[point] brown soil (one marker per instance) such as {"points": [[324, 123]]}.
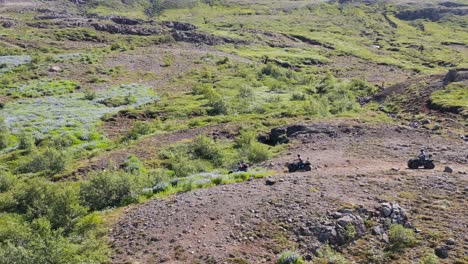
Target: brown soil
{"points": [[253, 222]]}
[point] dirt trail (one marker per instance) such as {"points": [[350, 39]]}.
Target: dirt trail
{"points": [[253, 222]]}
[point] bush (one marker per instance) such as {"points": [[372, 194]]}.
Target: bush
{"points": [[90, 95], [218, 105], [401, 237], [250, 149], [50, 161], [133, 165], [38, 242], [110, 188], [290, 257], [7, 180], [183, 166], [205, 148], [361, 88], [4, 134], [429, 258], [318, 107], [63, 141], [326, 255], [298, 97], [139, 129], [58, 203], [26, 142], [246, 92]]}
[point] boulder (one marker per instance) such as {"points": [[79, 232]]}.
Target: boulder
{"points": [[447, 169], [442, 252], [55, 69]]}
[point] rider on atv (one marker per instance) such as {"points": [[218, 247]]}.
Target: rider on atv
{"points": [[422, 160], [422, 155]]}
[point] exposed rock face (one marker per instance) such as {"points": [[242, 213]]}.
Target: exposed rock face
{"points": [[344, 230], [456, 75], [196, 37], [431, 13], [179, 25], [126, 29], [396, 214], [7, 24], [281, 135], [126, 21]]}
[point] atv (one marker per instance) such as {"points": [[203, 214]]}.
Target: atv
{"points": [[427, 164], [299, 166]]}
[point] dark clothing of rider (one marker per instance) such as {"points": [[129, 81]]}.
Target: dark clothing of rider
{"points": [[422, 155]]}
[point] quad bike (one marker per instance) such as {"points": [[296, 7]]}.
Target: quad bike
{"points": [[299, 166], [427, 164]]}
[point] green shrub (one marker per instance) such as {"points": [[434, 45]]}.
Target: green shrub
{"points": [[290, 257], [7, 180], [39, 242], [361, 88], [90, 95], [139, 129], [183, 166], [50, 161], [401, 237], [58, 203], [26, 142], [429, 258], [246, 92], [4, 134], [250, 149], [218, 106], [298, 97], [326, 255], [318, 107], [204, 147], [168, 60], [133, 165], [63, 141], [110, 188]]}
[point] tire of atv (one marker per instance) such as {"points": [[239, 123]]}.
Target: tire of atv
{"points": [[413, 164], [429, 166], [307, 168]]}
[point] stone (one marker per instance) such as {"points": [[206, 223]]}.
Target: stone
{"points": [[448, 169], [386, 209], [336, 215], [378, 230], [270, 182], [55, 69], [450, 242], [442, 252]]}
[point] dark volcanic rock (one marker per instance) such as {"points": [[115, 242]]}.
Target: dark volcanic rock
{"points": [[431, 13], [179, 25], [126, 29], [197, 37], [126, 21]]}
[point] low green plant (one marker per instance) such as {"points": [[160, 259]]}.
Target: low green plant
{"points": [[7, 180], [290, 257], [133, 165], [429, 258], [26, 142], [139, 129], [250, 149], [401, 238], [109, 189], [49, 161], [206, 148], [4, 134], [326, 255]]}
